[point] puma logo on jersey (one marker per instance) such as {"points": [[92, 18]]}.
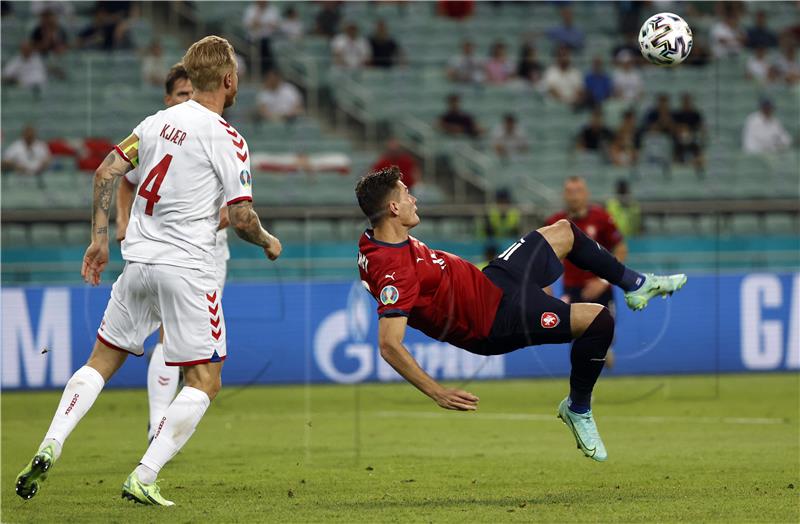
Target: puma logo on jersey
{"points": [[390, 276], [173, 134]]}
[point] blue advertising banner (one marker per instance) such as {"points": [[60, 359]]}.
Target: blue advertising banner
{"points": [[327, 332]]}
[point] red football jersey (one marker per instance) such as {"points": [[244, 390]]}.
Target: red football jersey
{"points": [[598, 225], [444, 296]]}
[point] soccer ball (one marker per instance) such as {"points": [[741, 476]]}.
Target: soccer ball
{"points": [[665, 39]]}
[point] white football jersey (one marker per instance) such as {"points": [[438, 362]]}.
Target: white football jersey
{"points": [[191, 163]]}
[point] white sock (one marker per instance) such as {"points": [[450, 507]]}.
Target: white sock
{"points": [[162, 385], [175, 428], [79, 395]]}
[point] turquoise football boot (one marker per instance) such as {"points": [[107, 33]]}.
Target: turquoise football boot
{"points": [[654, 285], [584, 430]]}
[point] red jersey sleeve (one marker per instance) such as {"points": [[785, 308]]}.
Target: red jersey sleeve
{"points": [[608, 236], [553, 219], [396, 290]]}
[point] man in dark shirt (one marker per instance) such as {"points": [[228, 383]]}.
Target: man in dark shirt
{"points": [[689, 133], [385, 49], [456, 122], [595, 136], [48, 36], [760, 35]]}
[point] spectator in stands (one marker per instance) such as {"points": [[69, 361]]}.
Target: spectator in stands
{"points": [[154, 68], [49, 36], [291, 27], [508, 138], [328, 18], [763, 133], [690, 134], [261, 21], [466, 67], [503, 219], [759, 35], [595, 136], [350, 50], [26, 69], [498, 68], [28, 155], [657, 136], [456, 9], [278, 100], [659, 118], [109, 28], [760, 69], [597, 84], [727, 38], [567, 34], [631, 45], [386, 52], [626, 79], [529, 68], [395, 154], [563, 81], [787, 65], [456, 122], [624, 210], [623, 151], [629, 16]]}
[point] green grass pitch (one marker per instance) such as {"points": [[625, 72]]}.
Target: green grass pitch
{"points": [[694, 449]]}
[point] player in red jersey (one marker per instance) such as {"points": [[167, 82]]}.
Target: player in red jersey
{"points": [[494, 311]]}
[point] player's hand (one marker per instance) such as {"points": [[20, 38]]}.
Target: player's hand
{"points": [[94, 262], [593, 289], [274, 249], [456, 399], [121, 228]]}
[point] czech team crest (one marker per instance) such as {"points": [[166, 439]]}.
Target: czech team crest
{"points": [[550, 320], [389, 295]]}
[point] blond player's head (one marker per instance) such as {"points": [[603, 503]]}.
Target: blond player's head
{"points": [[211, 64]]}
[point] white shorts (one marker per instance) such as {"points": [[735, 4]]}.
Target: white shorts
{"points": [[221, 273], [187, 302]]}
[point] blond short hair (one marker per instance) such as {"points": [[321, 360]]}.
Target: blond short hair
{"points": [[207, 61]]}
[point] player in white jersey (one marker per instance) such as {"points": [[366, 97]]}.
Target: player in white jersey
{"points": [[194, 162], [163, 380]]}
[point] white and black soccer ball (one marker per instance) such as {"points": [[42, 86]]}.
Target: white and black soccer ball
{"points": [[665, 39]]}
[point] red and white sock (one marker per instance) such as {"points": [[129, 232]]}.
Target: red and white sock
{"points": [[174, 429], [162, 385], [80, 393]]}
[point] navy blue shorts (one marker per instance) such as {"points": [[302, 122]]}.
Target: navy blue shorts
{"points": [[526, 316]]}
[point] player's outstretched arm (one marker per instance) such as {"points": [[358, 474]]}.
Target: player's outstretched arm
{"points": [[247, 225], [391, 331], [96, 256]]}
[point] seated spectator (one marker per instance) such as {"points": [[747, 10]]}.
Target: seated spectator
{"points": [[656, 138], [689, 133], [624, 210], [456, 9], [396, 155], [26, 69], [154, 68], [498, 68], [631, 45], [659, 118], [508, 138], [597, 84], [291, 26], [262, 21], [385, 50], [567, 34], [626, 79], [278, 100], [465, 67], [101, 34], [623, 151], [328, 18], [760, 69], [563, 81], [27, 155], [350, 50], [456, 122], [529, 68], [595, 136], [787, 65], [727, 38], [763, 133], [49, 36], [759, 35]]}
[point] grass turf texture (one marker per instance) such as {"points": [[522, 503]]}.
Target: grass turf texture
{"points": [[695, 448]]}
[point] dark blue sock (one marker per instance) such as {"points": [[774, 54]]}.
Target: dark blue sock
{"points": [[588, 357], [589, 255], [579, 408]]}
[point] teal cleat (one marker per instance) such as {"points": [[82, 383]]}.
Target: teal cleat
{"points": [[148, 494], [654, 285], [35, 472], [584, 430]]}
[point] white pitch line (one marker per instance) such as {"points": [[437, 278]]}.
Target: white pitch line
{"points": [[551, 417]]}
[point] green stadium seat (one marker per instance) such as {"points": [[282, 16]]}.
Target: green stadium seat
{"points": [[14, 235], [47, 235]]}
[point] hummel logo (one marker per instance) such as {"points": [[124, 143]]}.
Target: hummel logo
{"points": [[390, 276], [419, 259]]}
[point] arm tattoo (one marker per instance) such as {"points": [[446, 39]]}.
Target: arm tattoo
{"points": [[247, 225], [112, 167]]}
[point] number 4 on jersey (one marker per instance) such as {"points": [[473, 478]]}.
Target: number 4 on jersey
{"points": [[156, 177]]}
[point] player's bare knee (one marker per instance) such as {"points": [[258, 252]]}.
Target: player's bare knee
{"points": [[105, 360], [560, 237], [584, 315]]}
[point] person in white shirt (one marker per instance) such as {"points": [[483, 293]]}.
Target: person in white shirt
{"points": [[508, 138], [763, 133], [192, 162], [626, 79], [291, 26], [563, 81], [466, 67], [727, 38], [787, 65], [261, 21], [153, 66], [278, 100], [26, 69], [759, 68], [27, 155], [350, 50]]}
